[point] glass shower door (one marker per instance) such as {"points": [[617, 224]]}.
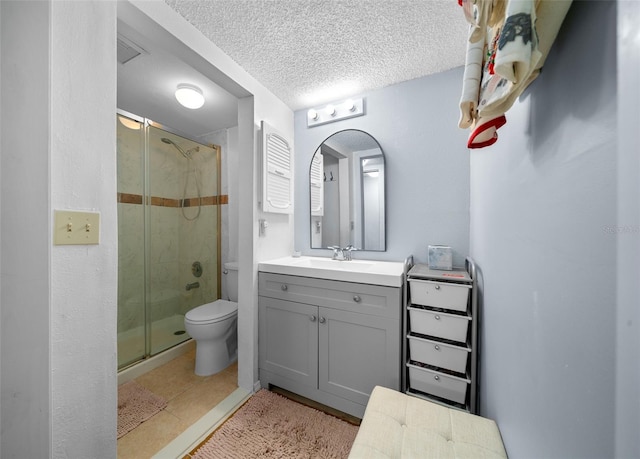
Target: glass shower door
{"points": [[182, 257], [131, 282], [168, 235]]}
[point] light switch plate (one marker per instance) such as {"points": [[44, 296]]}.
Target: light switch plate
{"points": [[75, 228]]}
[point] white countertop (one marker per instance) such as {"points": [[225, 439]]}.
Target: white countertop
{"points": [[388, 273]]}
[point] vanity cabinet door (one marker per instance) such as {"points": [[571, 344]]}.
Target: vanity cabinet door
{"points": [[356, 353], [288, 341]]}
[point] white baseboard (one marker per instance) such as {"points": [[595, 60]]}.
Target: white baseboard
{"points": [[198, 432]]}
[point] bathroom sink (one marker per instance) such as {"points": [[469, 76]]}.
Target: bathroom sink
{"points": [[325, 263], [373, 272]]}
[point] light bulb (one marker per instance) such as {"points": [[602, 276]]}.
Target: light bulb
{"points": [[190, 96], [312, 114], [129, 123], [349, 105], [331, 110]]}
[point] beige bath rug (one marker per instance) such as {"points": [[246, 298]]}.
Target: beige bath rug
{"points": [[269, 425], [136, 404]]}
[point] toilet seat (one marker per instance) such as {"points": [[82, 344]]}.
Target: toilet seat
{"points": [[212, 312]]}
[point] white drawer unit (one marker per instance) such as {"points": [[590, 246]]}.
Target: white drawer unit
{"points": [[440, 294], [439, 384], [439, 354], [439, 324], [441, 336]]}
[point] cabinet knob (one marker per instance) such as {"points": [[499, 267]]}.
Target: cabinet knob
{"points": [[437, 317], [284, 287], [357, 298], [312, 318], [437, 287], [322, 320], [437, 348], [436, 377]]}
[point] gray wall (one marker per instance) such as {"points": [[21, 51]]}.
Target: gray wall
{"points": [[628, 237], [543, 232], [428, 201]]}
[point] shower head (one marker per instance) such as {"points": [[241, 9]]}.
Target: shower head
{"points": [[186, 154]]}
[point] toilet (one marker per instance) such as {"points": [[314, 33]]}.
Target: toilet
{"points": [[213, 326]]}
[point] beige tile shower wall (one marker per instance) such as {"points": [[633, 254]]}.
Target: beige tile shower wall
{"points": [[164, 232], [175, 242], [227, 253], [198, 243], [198, 240], [166, 166], [167, 172], [130, 266], [130, 149]]}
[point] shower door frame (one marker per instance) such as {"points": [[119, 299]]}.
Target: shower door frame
{"points": [[146, 124]]}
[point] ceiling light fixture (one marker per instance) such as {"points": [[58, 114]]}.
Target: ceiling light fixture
{"points": [[189, 96], [349, 108]]}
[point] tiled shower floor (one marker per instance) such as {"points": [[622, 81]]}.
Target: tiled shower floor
{"points": [[189, 398], [131, 342]]}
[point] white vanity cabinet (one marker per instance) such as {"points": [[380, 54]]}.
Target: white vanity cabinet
{"points": [[328, 340], [441, 336]]}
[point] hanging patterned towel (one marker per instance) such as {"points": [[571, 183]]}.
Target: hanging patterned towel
{"points": [[515, 47], [517, 52], [477, 13], [485, 131], [488, 13], [471, 82], [497, 91]]}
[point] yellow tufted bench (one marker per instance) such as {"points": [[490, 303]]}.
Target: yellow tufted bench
{"points": [[396, 425]]}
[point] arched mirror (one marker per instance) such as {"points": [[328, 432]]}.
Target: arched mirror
{"points": [[347, 190]]}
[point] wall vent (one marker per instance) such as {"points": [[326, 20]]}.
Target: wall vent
{"points": [[128, 50]]}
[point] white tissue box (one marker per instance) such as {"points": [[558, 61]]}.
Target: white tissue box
{"points": [[440, 257]]}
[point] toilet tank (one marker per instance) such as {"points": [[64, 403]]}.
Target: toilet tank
{"points": [[231, 279]]}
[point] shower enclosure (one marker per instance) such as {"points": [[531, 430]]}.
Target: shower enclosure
{"points": [[168, 234]]}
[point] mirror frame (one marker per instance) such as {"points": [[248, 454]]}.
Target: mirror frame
{"points": [[360, 191]]}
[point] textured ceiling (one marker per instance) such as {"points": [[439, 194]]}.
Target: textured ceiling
{"points": [[308, 52]]}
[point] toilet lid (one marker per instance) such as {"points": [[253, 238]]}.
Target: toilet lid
{"points": [[212, 312]]}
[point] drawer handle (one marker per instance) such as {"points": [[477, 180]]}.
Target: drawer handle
{"points": [[357, 298], [437, 287], [437, 348], [322, 320], [436, 377], [437, 317], [284, 287], [312, 318]]}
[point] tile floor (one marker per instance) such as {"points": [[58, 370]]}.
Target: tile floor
{"points": [[189, 398]]}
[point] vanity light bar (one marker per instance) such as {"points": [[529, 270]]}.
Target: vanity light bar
{"points": [[350, 108]]}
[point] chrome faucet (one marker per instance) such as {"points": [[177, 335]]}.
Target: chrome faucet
{"points": [[341, 253]]}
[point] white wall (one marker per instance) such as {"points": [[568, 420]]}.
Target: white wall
{"points": [[58, 302], [25, 404], [426, 166], [543, 219], [83, 299]]}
